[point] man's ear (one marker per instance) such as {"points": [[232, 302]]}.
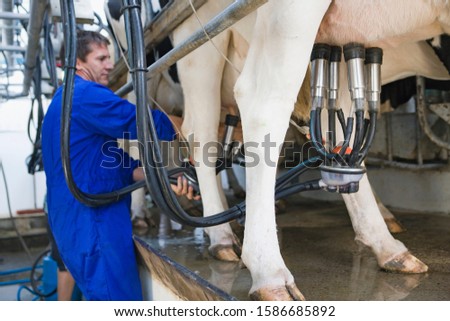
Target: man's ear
{"points": [[79, 64]]}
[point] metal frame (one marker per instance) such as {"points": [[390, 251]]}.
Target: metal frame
{"points": [[422, 127]]}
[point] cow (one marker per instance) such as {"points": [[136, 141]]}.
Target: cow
{"points": [[269, 51], [166, 93]]}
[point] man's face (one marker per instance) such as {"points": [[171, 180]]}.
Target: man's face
{"points": [[97, 65]]}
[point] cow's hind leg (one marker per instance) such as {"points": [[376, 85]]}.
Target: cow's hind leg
{"points": [[266, 93], [371, 230], [368, 224], [391, 221]]}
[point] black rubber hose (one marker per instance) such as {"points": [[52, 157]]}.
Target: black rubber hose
{"points": [[311, 163], [370, 136], [314, 132], [347, 136], [359, 137], [298, 188], [70, 34], [341, 118], [332, 125], [319, 137]]}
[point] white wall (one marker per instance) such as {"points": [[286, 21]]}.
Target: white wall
{"points": [[25, 191]]}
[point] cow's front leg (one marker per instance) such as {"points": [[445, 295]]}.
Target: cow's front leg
{"points": [[224, 245], [266, 92], [201, 76], [263, 136]]}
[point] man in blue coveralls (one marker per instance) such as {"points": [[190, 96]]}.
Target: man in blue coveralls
{"points": [[96, 243]]}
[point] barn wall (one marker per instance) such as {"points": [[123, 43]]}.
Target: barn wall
{"points": [[25, 191]]}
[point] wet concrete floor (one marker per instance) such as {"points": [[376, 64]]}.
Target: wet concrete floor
{"points": [[317, 243]]}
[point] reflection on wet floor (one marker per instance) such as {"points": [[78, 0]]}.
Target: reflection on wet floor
{"points": [[319, 248], [188, 247]]}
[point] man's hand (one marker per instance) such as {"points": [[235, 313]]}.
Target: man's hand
{"points": [[183, 188]]}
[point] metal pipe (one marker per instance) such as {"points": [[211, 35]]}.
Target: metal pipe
{"points": [[389, 143], [231, 121], [7, 6], [396, 164], [11, 85], [13, 16], [12, 48], [227, 18], [422, 115], [420, 104], [8, 34], [354, 56], [320, 57], [374, 59], [37, 10], [335, 63], [5, 27], [373, 63]]}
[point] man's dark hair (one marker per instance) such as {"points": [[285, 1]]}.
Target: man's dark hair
{"points": [[85, 39]]}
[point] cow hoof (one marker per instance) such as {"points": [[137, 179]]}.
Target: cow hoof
{"points": [[225, 253], [405, 263], [394, 226], [280, 206], [287, 293]]}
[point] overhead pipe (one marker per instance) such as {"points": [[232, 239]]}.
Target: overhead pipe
{"points": [[5, 15], [37, 12], [227, 18]]}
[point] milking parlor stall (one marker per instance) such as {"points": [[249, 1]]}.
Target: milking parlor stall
{"points": [[375, 112]]}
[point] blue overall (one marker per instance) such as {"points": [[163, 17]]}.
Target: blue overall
{"points": [[95, 243]]}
